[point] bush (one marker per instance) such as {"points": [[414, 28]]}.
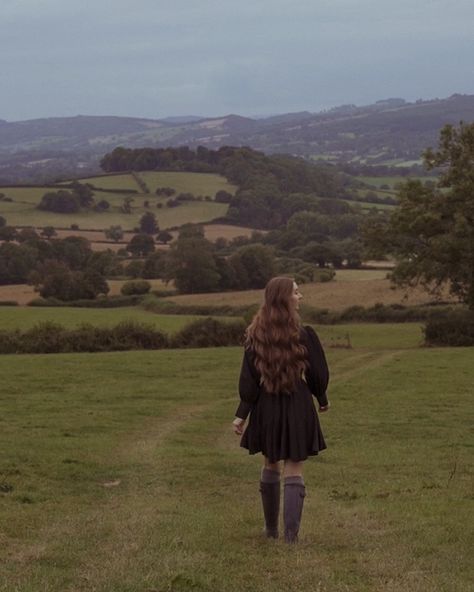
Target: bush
{"points": [[8, 303], [457, 329], [209, 333], [44, 338], [10, 342], [135, 287]]}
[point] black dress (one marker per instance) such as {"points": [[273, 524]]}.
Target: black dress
{"points": [[284, 426]]}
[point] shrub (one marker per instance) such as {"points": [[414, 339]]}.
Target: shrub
{"points": [[10, 342], [132, 335], [456, 329], [135, 287], [209, 333], [8, 303], [45, 337]]}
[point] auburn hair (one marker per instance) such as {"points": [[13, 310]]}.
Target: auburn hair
{"points": [[274, 337]]}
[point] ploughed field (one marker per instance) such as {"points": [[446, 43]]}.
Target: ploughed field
{"points": [[119, 472]]}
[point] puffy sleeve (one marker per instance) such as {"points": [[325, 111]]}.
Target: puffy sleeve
{"points": [[317, 374], [249, 386]]}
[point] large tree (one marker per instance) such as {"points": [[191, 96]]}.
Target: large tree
{"points": [[431, 233], [191, 262]]}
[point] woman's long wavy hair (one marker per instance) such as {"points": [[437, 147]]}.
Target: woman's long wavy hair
{"points": [[274, 336]]}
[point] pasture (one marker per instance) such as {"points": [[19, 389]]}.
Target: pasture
{"points": [[22, 210], [363, 287], [345, 290], [120, 473]]}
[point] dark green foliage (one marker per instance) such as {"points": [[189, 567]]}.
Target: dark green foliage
{"points": [[431, 234], [209, 333], [135, 287], [48, 337], [55, 279], [134, 269], [168, 191], [191, 262], [148, 223], [141, 244], [223, 196], [164, 237], [457, 329], [154, 266], [48, 232], [114, 232], [7, 233], [16, 262], [62, 201], [253, 266], [264, 181], [102, 206], [379, 313]]}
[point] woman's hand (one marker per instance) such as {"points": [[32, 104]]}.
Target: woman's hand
{"points": [[323, 408], [238, 426]]}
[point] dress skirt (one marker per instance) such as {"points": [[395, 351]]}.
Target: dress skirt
{"points": [[284, 426]]}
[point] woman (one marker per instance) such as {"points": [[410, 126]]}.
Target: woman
{"points": [[283, 367]]}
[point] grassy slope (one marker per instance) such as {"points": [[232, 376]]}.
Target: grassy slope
{"points": [[134, 481]]}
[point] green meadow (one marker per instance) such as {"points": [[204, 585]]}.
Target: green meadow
{"points": [[24, 318], [22, 210], [119, 473]]}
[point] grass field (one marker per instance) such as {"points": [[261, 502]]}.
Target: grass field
{"points": [[351, 287], [23, 293], [119, 473], [334, 295], [190, 212], [22, 211], [391, 181]]}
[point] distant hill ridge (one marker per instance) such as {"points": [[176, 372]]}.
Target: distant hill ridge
{"points": [[389, 131]]}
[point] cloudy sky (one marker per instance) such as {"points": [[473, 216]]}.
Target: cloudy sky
{"points": [[156, 58]]}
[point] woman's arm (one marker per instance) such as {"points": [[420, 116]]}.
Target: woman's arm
{"points": [[249, 387], [317, 374]]}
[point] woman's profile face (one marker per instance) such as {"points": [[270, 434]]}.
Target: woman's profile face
{"points": [[296, 296]]}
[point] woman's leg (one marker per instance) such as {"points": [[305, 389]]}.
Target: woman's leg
{"points": [[270, 492], [293, 499], [293, 469]]}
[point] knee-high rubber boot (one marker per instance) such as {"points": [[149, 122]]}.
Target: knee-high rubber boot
{"points": [[270, 492], [294, 494]]}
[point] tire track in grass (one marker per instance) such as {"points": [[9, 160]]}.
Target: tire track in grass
{"points": [[132, 518]]}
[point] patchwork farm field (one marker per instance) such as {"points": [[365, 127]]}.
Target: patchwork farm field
{"points": [[364, 287], [22, 210], [120, 473]]}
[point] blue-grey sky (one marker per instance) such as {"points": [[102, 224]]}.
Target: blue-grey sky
{"points": [[156, 58]]}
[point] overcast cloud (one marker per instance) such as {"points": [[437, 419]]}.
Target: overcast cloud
{"points": [[150, 58]]}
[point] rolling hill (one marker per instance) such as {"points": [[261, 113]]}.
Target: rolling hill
{"points": [[390, 132]]}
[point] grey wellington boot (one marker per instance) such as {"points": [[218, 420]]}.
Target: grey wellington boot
{"points": [[294, 494], [271, 507]]}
